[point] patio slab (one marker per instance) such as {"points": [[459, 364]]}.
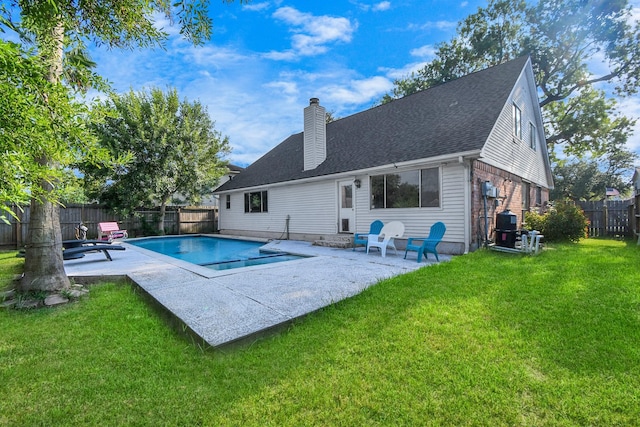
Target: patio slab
{"points": [[227, 306]]}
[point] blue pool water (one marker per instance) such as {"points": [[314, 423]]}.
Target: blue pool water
{"points": [[213, 252]]}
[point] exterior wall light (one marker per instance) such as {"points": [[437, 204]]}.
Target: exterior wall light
{"points": [[357, 183]]}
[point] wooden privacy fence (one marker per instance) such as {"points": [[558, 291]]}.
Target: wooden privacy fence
{"points": [[609, 218], [178, 220]]}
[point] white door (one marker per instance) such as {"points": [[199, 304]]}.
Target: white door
{"points": [[346, 211]]}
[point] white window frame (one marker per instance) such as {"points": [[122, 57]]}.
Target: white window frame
{"points": [[533, 137], [261, 197], [517, 121], [420, 190]]}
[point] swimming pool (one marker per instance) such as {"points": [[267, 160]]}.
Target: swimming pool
{"points": [[216, 253]]}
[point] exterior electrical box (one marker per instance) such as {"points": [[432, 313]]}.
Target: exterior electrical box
{"points": [[489, 190]]}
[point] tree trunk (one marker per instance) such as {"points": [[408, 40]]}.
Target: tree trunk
{"points": [[43, 266], [163, 210]]}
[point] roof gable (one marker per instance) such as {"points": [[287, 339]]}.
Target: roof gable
{"points": [[453, 117]]}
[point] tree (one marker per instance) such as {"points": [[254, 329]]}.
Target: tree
{"points": [[587, 123], [329, 117], [587, 179], [41, 120], [174, 145], [578, 180], [59, 30], [564, 38], [21, 106]]}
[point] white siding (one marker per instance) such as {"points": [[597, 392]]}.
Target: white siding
{"points": [[311, 209], [515, 155], [417, 221]]}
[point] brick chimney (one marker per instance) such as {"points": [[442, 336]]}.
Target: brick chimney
{"points": [[315, 134]]}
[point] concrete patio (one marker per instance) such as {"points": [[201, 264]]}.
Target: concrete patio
{"points": [[237, 305]]}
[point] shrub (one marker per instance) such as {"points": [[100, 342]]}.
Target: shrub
{"points": [[535, 221], [564, 221]]}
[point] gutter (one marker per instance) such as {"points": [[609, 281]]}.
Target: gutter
{"points": [[430, 161]]}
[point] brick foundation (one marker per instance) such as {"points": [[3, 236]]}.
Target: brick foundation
{"points": [[510, 187]]}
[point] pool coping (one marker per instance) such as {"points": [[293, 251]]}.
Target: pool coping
{"points": [[195, 268], [223, 307]]}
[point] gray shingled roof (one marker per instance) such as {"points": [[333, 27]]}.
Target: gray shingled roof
{"points": [[449, 118]]}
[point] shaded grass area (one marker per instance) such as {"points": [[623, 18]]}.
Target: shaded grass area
{"points": [[486, 339]]}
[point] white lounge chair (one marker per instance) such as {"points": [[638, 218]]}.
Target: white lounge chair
{"points": [[389, 232]]}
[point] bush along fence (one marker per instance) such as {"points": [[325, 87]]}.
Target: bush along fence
{"points": [[610, 217], [178, 220]]}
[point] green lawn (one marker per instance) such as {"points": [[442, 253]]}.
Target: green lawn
{"points": [[488, 339]]}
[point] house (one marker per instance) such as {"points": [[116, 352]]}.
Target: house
{"points": [[211, 199], [459, 152], [214, 200]]}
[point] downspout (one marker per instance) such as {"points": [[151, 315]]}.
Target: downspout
{"points": [[467, 202], [486, 220]]}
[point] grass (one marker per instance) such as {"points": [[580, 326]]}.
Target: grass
{"points": [[486, 339]]}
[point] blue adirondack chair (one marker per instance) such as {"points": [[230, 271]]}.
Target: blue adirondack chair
{"points": [[425, 245], [361, 238]]}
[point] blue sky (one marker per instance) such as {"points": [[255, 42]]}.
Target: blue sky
{"points": [[267, 58]]}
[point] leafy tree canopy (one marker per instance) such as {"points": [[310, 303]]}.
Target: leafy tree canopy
{"points": [[574, 46], [40, 120], [174, 145], [587, 179], [58, 30]]}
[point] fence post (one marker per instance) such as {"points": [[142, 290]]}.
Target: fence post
{"points": [[179, 221]]}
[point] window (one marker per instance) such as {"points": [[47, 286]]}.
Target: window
{"points": [[533, 137], [255, 202], [538, 196], [430, 188], [408, 189], [517, 122], [228, 201], [346, 196]]}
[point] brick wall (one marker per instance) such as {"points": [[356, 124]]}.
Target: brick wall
{"points": [[511, 189]]}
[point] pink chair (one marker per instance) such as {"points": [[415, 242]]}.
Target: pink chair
{"points": [[110, 231]]}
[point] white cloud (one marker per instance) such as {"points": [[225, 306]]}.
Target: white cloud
{"points": [[635, 12], [630, 107], [210, 55], [404, 72], [256, 117], [285, 55], [427, 51], [382, 6], [161, 22], [286, 87], [436, 25], [312, 34], [358, 91], [256, 7], [464, 4]]}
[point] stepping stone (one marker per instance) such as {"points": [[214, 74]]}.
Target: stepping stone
{"points": [[55, 299]]}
